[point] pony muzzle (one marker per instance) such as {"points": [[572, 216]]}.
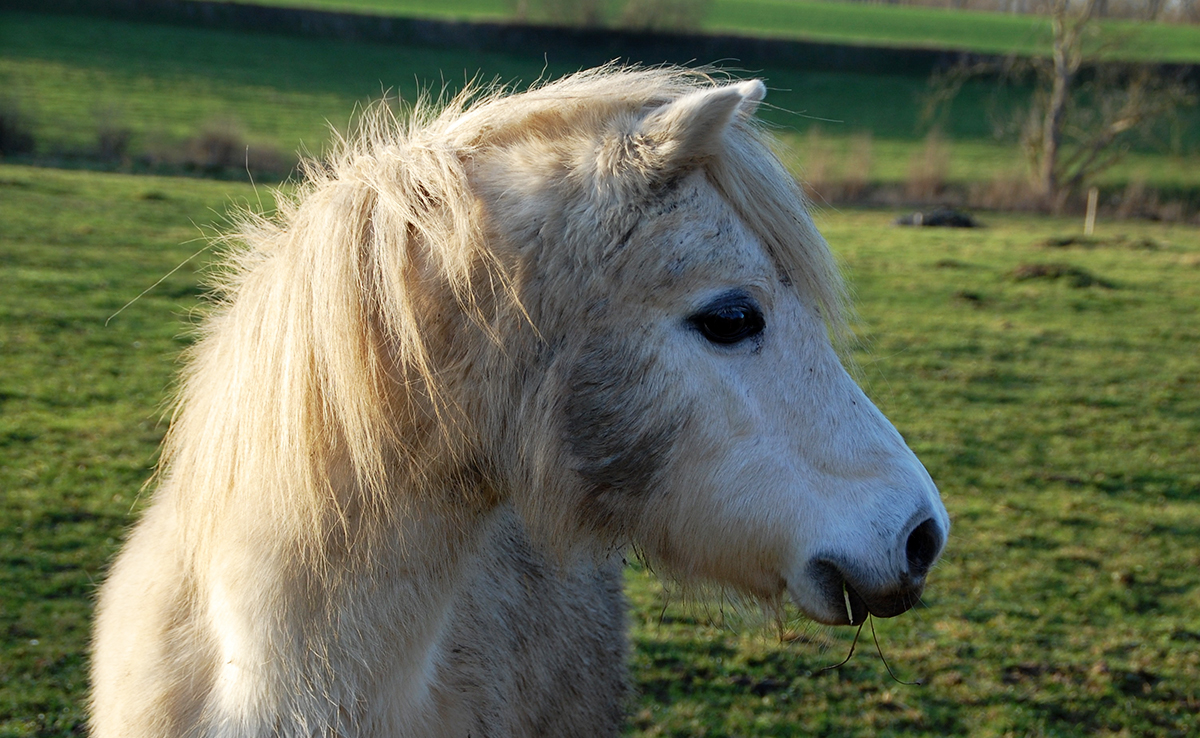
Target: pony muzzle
{"points": [[847, 598], [849, 589]]}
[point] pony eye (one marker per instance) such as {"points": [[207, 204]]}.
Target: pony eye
{"points": [[729, 322]]}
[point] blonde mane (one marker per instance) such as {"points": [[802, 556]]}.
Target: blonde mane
{"points": [[313, 393]]}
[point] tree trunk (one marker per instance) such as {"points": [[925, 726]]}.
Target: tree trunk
{"points": [[1055, 114]]}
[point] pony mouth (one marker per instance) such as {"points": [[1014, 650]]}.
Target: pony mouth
{"points": [[847, 602], [856, 607]]}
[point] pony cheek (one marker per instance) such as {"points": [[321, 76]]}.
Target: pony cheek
{"points": [[594, 457], [733, 503], [617, 420]]}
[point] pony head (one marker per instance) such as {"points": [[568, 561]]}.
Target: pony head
{"points": [[603, 301]]}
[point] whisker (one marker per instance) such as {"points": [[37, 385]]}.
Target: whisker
{"points": [[161, 279]]}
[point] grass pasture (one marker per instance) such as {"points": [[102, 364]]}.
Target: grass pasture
{"points": [[840, 22], [1060, 417], [164, 82], [77, 77]]}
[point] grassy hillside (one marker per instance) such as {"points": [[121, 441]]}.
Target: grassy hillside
{"points": [[168, 79], [891, 25], [76, 78], [72, 73], [1058, 415], [842, 22]]}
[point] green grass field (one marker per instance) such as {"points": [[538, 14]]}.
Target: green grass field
{"points": [[1059, 417], [72, 76], [841, 22], [166, 81]]}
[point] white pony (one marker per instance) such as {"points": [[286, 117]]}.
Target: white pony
{"points": [[472, 361]]}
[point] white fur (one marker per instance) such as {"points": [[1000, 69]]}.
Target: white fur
{"points": [[446, 386]]}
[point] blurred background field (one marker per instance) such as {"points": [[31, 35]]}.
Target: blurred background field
{"points": [[1049, 381], [117, 94], [887, 24]]}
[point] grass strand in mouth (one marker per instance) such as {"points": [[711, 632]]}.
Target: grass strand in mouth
{"points": [[850, 655], [887, 666], [878, 649]]}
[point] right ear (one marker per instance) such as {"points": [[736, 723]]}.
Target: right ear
{"points": [[684, 132]]}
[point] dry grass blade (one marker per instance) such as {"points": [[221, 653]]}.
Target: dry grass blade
{"points": [[850, 655]]}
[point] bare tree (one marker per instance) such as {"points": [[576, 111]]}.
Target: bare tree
{"points": [[1081, 124], [1085, 110], [1069, 27]]}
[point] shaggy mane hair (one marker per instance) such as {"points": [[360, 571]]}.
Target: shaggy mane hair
{"points": [[313, 393]]}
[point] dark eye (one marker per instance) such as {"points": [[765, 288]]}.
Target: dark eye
{"points": [[729, 321]]}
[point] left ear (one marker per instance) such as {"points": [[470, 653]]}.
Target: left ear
{"points": [[686, 131]]}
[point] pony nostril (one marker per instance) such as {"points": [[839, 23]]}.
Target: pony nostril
{"points": [[924, 544]]}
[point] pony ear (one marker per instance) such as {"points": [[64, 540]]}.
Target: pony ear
{"points": [[688, 130]]}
